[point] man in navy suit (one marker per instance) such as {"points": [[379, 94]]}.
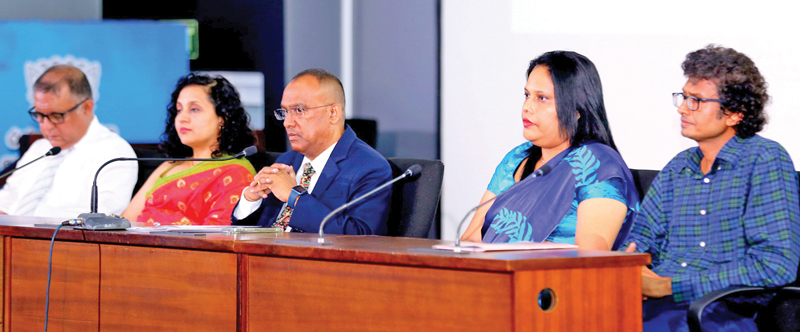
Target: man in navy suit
{"points": [[328, 167]]}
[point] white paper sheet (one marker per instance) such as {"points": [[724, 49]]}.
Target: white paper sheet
{"points": [[523, 245]]}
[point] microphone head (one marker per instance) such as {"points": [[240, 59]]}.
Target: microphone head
{"points": [[54, 151], [249, 151], [413, 172], [542, 171]]}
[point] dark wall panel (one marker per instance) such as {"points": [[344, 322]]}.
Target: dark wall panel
{"points": [[238, 35]]}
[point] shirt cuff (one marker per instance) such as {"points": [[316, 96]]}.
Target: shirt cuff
{"points": [[245, 207]]}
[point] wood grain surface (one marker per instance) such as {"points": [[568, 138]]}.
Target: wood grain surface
{"points": [[73, 289], [593, 299], [307, 295], [162, 289], [126, 281], [3, 304], [399, 251]]}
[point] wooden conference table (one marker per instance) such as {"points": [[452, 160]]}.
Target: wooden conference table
{"points": [[125, 281]]}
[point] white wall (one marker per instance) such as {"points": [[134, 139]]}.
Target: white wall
{"points": [[637, 47], [311, 36], [395, 74], [394, 68]]}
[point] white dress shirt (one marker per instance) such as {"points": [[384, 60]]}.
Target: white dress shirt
{"points": [[245, 207], [70, 193]]}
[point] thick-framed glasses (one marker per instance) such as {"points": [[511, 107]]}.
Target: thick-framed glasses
{"points": [[692, 102], [298, 112], [55, 118]]}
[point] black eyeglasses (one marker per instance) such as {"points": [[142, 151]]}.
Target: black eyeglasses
{"points": [[281, 113], [55, 118], [692, 102]]}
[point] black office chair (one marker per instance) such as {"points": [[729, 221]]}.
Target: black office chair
{"points": [[414, 204], [263, 159], [782, 312], [145, 167], [365, 129], [8, 168], [643, 178], [25, 142]]}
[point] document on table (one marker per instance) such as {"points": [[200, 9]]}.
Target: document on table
{"points": [[522, 245], [203, 229]]}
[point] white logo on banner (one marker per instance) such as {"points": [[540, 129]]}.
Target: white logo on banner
{"points": [[14, 134]]}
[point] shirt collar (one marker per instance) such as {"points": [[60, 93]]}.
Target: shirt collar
{"points": [[319, 162], [732, 151], [94, 129], [728, 156]]}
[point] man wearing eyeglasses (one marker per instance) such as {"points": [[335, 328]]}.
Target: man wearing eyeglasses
{"points": [[724, 213], [327, 167], [60, 185]]}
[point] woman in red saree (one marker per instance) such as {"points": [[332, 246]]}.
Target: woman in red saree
{"points": [[206, 120]]}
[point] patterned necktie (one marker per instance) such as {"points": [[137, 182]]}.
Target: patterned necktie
{"points": [[42, 185], [286, 214]]}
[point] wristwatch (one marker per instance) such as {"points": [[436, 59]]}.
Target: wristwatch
{"points": [[297, 191]]}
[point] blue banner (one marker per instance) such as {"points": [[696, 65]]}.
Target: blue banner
{"points": [[132, 66]]}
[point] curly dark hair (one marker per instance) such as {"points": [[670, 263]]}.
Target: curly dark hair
{"points": [[738, 82], [235, 134]]}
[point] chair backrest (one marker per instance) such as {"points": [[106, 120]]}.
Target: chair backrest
{"points": [[146, 167], [263, 159], [414, 204], [25, 142], [365, 129], [643, 178], [8, 168]]}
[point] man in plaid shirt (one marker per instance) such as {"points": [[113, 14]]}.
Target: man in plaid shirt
{"points": [[724, 213]]}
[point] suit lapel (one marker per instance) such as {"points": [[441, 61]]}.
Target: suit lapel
{"points": [[297, 163], [329, 173], [338, 154]]}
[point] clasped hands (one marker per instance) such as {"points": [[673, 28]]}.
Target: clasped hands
{"points": [[653, 285], [277, 179]]}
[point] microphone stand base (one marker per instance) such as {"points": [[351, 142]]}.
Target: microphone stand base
{"points": [[102, 222], [306, 242]]}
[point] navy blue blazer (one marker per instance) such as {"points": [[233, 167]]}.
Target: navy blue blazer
{"points": [[353, 169]]}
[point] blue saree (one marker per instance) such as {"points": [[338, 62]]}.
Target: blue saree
{"points": [[545, 208]]}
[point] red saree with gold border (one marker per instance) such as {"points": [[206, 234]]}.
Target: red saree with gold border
{"points": [[202, 195]]}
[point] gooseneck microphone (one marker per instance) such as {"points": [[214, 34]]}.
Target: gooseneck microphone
{"points": [[101, 221], [542, 171], [248, 151], [411, 172], [52, 152]]}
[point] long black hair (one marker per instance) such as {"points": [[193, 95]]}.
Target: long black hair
{"points": [[577, 88], [234, 134]]}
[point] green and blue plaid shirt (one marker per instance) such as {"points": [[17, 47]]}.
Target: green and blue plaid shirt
{"points": [[736, 225]]}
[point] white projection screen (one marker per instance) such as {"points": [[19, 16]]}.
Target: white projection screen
{"points": [[637, 46]]}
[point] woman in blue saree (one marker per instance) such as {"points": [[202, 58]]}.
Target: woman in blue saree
{"points": [[588, 198]]}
